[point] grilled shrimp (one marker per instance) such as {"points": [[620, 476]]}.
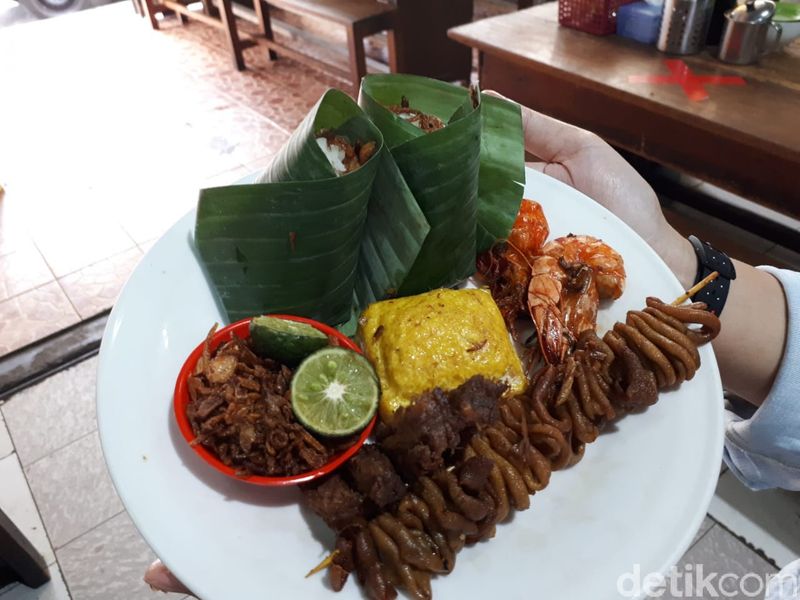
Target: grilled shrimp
{"points": [[530, 229], [607, 264], [544, 300], [579, 299]]}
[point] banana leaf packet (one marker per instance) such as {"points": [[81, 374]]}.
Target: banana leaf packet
{"points": [[308, 240]]}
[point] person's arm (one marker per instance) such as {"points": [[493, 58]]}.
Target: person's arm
{"points": [[750, 345], [754, 321]]}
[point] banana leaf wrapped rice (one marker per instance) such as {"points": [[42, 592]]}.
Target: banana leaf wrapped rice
{"points": [[392, 197]]}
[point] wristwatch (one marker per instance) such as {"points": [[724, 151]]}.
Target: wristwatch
{"points": [[709, 259]]}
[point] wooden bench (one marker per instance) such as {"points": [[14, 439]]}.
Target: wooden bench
{"points": [[216, 13], [359, 18]]}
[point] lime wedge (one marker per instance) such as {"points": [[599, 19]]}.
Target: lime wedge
{"points": [[288, 342], [335, 392]]}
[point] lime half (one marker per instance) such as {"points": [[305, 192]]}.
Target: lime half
{"points": [[288, 342], [335, 392]]}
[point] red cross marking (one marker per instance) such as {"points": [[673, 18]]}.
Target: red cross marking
{"points": [[694, 86]]}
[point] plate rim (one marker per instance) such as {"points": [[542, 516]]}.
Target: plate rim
{"points": [[704, 498]]}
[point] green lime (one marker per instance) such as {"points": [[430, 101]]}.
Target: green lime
{"points": [[335, 392], [286, 341]]}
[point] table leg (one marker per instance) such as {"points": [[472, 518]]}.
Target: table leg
{"points": [[262, 14], [210, 9], [358, 61], [229, 21], [391, 43], [182, 19], [150, 9]]}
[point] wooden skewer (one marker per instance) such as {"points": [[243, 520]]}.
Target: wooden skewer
{"points": [[694, 289], [327, 562]]}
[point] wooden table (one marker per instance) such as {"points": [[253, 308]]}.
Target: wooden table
{"points": [[745, 138]]}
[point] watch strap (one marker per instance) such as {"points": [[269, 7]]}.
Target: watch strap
{"points": [[709, 259]]}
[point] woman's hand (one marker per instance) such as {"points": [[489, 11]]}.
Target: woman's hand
{"points": [[750, 346], [159, 578], [582, 160]]}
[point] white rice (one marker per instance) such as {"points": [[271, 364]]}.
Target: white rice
{"points": [[333, 153]]}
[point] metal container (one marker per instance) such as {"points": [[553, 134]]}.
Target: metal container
{"points": [[744, 38], [684, 26]]}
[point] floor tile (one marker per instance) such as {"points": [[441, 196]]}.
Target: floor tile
{"points": [[13, 234], [6, 447], [147, 216], [237, 134], [113, 547], [96, 287], [73, 490], [22, 270], [705, 527], [55, 589], [146, 245], [283, 93], [769, 520], [17, 502], [50, 415], [719, 553], [33, 315], [75, 243]]}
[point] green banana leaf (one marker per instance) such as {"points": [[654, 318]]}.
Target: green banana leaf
{"points": [[465, 177], [440, 168], [502, 170], [393, 236], [303, 240]]}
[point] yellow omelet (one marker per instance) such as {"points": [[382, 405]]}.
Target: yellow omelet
{"points": [[437, 339]]}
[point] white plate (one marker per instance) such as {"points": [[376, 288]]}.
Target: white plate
{"points": [[637, 498]]}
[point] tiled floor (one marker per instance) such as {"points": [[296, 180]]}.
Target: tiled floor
{"points": [[92, 176], [56, 488]]}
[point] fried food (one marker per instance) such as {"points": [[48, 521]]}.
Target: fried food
{"points": [[544, 303], [345, 156], [240, 409], [488, 469], [424, 435], [607, 264], [530, 229], [417, 118], [438, 339], [559, 285]]}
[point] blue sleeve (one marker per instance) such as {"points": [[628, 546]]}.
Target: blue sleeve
{"points": [[763, 449]]}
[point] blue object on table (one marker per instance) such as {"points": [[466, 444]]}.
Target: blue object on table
{"points": [[639, 21]]}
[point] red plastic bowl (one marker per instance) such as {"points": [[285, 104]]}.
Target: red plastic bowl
{"points": [[181, 401]]}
